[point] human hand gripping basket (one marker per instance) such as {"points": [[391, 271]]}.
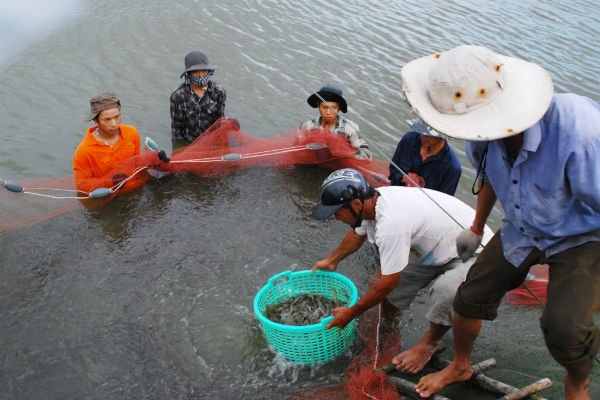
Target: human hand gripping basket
{"points": [[307, 344]]}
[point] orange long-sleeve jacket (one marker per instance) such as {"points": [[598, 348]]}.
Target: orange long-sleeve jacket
{"points": [[95, 163]]}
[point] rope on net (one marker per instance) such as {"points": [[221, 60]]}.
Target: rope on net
{"points": [[94, 194]]}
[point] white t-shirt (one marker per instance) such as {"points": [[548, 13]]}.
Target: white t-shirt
{"points": [[409, 227]]}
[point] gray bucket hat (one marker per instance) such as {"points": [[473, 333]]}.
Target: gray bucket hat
{"points": [[197, 61], [102, 102]]}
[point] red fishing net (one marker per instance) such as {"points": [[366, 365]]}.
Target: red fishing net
{"points": [[18, 210], [379, 335], [535, 290], [222, 149]]}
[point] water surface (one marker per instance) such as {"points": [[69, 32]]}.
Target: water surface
{"points": [[151, 296]]}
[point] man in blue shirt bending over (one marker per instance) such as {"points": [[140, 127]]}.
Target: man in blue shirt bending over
{"points": [[539, 154], [426, 157]]}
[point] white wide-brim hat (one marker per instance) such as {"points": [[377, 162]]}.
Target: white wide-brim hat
{"points": [[472, 93]]}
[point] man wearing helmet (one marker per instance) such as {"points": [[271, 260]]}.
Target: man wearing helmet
{"points": [[416, 242]]}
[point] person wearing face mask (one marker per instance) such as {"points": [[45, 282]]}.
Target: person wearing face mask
{"points": [[330, 102], [198, 102], [427, 159]]}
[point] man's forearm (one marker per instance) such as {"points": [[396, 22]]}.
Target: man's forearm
{"points": [[376, 293], [350, 244], [485, 203]]}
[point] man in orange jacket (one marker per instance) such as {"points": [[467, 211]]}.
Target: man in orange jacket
{"points": [[107, 154]]}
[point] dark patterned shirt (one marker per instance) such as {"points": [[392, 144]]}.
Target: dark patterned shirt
{"points": [[191, 115]]}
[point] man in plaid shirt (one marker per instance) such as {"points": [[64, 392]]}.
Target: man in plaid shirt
{"points": [[198, 102]]}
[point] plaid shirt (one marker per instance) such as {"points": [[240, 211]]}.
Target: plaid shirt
{"points": [[344, 127], [192, 115]]}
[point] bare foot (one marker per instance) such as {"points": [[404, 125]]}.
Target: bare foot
{"points": [[576, 390], [433, 383], [413, 360]]}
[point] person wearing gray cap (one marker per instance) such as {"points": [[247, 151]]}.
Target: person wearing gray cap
{"points": [[426, 160], [330, 102], [196, 103]]}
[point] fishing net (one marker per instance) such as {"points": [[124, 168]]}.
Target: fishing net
{"points": [[220, 150], [224, 148], [32, 201], [536, 290], [18, 210], [379, 335]]}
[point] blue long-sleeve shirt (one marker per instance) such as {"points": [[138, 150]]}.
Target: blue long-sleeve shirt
{"points": [[441, 172], [551, 192]]}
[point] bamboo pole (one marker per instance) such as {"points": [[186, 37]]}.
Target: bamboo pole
{"points": [[528, 390], [408, 388], [493, 385], [484, 365], [391, 368]]}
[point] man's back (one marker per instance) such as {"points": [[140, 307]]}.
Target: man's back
{"points": [[409, 225], [550, 192]]}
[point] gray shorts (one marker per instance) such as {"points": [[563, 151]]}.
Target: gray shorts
{"points": [[442, 282], [573, 296]]}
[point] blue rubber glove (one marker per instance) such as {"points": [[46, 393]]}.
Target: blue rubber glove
{"points": [[467, 242]]}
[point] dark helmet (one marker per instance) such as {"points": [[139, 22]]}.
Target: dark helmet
{"points": [[339, 189]]}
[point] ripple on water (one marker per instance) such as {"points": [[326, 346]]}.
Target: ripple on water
{"points": [[151, 296]]}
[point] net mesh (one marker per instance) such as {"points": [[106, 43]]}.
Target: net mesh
{"points": [[220, 150], [381, 341], [224, 148], [18, 210], [537, 283]]}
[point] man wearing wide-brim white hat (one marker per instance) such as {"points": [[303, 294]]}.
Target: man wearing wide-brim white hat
{"points": [[539, 154]]}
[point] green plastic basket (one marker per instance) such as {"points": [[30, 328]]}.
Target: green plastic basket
{"points": [[308, 344]]}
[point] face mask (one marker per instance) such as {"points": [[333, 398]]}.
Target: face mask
{"points": [[201, 80]]}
